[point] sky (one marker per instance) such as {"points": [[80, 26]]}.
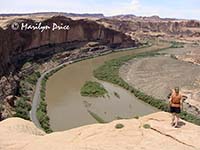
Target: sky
{"points": [[188, 9]]}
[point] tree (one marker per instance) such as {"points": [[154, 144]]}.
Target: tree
{"points": [[22, 109]]}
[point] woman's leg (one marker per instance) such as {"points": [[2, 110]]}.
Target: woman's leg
{"points": [[173, 119], [177, 120]]}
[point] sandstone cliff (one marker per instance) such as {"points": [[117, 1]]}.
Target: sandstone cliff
{"points": [[18, 45], [153, 26], [152, 132]]}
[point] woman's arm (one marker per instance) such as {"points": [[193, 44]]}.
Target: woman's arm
{"points": [[170, 99]]}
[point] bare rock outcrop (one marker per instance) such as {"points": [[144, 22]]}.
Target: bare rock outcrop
{"points": [[149, 132]]}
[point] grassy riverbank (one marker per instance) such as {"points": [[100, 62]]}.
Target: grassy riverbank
{"points": [[42, 108], [93, 89], [109, 72]]}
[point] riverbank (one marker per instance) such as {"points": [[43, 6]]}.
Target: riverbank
{"points": [[110, 72]]}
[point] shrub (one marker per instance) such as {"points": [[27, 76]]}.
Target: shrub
{"points": [[22, 108], [116, 94], [136, 117], [147, 126], [177, 44], [42, 108], [32, 79], [119, 126], [1, 107], [93, 89], [190, 117], [44, 120]]}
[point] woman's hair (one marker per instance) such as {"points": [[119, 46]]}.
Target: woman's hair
{"points": [[176, 89]]}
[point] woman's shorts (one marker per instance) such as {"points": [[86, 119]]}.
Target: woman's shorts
{"points": [[175, 110]]}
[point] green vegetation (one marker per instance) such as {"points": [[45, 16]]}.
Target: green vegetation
{"points": [[93, 89], [119, 126], [1, 106], [177, 44], [190, 117], [23, 104], [27, 84], [147, 126], [136, 117], [109, 72], [22, 108], [32, 79], [27, 65], [42, 108], [96, 117]]}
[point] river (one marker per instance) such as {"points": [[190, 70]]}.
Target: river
{"points": [[67, 109]]}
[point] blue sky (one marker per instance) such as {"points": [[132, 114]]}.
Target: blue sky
{"points": [[164, 8]]}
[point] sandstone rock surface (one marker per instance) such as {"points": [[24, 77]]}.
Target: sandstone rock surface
{"points": [[18, 134]]}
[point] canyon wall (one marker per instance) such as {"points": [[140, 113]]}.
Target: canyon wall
{"points": [[149, 26], [13, 43], [19, 46]]}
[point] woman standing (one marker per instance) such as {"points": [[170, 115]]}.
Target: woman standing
{"points": [[176, 104]]}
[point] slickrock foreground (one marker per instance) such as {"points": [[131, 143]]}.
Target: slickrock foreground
{"points": [[18, 134]]}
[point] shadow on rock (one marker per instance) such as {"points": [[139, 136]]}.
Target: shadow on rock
{"points": [[181, 123]]}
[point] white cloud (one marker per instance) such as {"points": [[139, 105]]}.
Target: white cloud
{"points": [[123, 8], [135, 4]]}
